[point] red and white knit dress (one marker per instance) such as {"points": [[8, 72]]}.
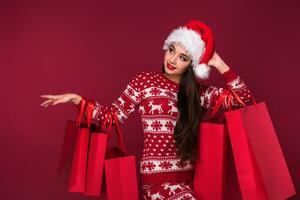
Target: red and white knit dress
{"points": [[155, 96]]}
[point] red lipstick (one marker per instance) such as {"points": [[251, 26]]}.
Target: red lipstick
{"points": [[170, 67]]}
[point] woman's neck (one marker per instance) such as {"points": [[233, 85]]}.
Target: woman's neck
{"points": [[173, 78]]}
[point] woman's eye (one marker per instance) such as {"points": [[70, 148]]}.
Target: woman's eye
{"points": [[183, 58], [171, 50]]}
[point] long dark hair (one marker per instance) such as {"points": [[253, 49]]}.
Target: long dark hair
{"points": [[187, 126]]}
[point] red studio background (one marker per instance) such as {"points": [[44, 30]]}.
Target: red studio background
{"points": [[93, 48]]}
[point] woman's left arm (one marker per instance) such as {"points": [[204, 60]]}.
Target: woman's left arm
{"points": [[211, 94]]}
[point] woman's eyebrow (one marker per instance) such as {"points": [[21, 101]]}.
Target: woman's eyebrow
{"points": [[181, 53], [185, 55]]}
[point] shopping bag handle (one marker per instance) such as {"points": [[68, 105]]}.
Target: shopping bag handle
{"points": [[88, 106], [108, 119], [229, 92], [120, 135], [80, 111], [239, 99], [85, 107], [120, 139], [85, 111], [89, 109]]}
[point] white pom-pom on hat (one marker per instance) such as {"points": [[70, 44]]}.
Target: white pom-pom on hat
{"points": [[197, 38], [202, 71]]}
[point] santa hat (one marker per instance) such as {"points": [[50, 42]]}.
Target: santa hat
{"points": [[197, 38]]}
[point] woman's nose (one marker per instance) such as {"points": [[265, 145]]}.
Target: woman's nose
{"points": [[173, 59]]}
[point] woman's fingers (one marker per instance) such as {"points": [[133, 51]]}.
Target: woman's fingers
{"points": [[47, 102], [48, 96], [55, 99], [61, 100], [51, 99]]}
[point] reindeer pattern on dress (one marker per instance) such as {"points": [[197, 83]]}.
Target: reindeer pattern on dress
{"points": [[169, 191], [154, 107], [173, 107], [172, 188]]}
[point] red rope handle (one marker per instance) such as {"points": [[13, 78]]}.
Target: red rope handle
{"points": [[219, 102], [88, 107], [80, 111], [110, 118], [230, 94], [119, 133]]}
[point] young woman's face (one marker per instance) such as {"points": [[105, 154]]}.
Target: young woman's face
{"points": [[176, 59]]}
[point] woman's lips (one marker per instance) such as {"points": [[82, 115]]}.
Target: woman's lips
{"points": [[170, 67]]}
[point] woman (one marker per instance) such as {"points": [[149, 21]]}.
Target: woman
{"points": [[171, 104]]}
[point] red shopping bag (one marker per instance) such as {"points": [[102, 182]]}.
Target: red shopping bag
{"points": [[96, 155], [71, 168], [261, 167], [82, 155], [120, 171], [209, 167]]}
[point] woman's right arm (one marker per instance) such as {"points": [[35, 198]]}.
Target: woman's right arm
{"points": [[76, 99], [124, 105], [61, 98]]}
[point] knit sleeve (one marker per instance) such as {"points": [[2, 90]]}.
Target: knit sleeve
{"points": [[210, 94], [125, 104]]}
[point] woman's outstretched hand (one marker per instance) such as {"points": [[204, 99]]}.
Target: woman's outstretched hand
{"points": [[61, 98]]}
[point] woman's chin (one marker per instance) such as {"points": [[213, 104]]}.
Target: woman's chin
{"points": [[167, 71]]}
